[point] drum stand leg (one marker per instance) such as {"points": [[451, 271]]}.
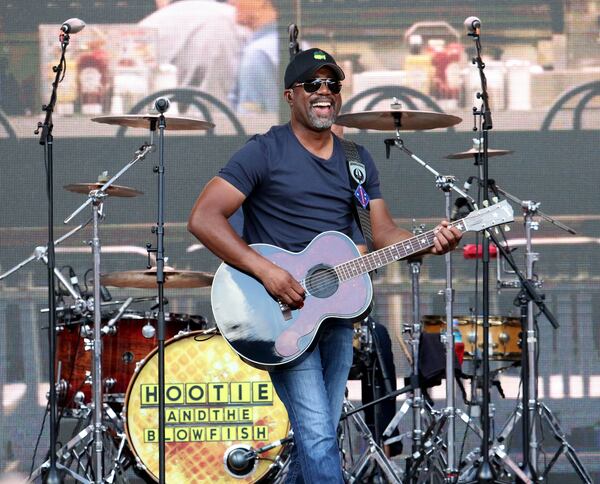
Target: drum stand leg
{"points": [[372, 453], [76, 458]]}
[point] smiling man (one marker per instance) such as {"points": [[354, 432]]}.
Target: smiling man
{"points": [[293, 184]]}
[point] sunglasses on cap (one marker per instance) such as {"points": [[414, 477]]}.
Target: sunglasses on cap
{"points": [[313, 85]]}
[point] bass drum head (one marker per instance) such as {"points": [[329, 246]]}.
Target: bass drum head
{"points": [[214, 403]]}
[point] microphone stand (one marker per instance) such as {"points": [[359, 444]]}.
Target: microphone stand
{"points": [[47, 141], [160, 280], [485, 473]]}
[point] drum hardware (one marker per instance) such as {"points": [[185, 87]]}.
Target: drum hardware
{"points": [[531, 411], [397, 119], [111, 191], [445, 184], [372, 455], [110, 327], [174, 278], [152, 121], [415, 401], [89, 305], [476, 151], [96, 199], [78, 453]]}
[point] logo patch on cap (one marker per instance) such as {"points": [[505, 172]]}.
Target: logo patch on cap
{"points": [[320, 55]]}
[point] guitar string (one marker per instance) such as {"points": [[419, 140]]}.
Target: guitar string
{"points": [[322, 281]]}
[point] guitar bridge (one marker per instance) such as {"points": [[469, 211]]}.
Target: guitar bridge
{"points": [[285, 310]]}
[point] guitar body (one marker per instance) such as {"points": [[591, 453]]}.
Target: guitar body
{"points": [[270, 337]]}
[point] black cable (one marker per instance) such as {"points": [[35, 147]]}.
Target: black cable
{"points": [[39, 438]]}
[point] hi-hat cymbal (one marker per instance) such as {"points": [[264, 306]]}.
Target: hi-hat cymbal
{"points": [[149, 120], [111, 191], [473, 152], [174, 279], [403, 119]]}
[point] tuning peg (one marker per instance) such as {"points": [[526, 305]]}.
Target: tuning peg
{"points": [[486, 203], [507, 228], [495, 199]]}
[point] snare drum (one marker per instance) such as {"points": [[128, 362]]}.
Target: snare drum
{"points": [[121, 352], [214, 403]]}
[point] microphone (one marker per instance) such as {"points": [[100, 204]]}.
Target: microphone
{"points": [[472, 24], [293, 43], [72, 26], [460, 209], [468, 183], [240, 460], [162, 104]]}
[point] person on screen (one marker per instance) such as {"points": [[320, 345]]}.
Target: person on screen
{"points": [[202, 40], [256, 89], [293, 184]]}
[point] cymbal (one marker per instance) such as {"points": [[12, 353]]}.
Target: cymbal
{"points": [[111, 191], [146, 120], [386, 120], [473, 152], [174, 279]]}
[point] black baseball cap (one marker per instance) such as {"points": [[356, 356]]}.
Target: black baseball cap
{"points": [[305, 63]]}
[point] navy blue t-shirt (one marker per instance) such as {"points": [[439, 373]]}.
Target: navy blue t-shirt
{"points": [[291, 194]]}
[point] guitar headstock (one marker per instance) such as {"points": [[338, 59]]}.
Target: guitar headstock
{"points": [[491, 216]]}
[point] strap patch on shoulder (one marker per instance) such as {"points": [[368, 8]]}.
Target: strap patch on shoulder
{"points": [[358, 172], [362, 196]]}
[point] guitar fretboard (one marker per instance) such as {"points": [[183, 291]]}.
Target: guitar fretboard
{"points": [[389, 254]]}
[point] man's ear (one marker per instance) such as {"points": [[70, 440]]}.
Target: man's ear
{"points": [[289, 96]]}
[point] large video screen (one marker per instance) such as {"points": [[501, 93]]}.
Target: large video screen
{"points": [[223, 62]]}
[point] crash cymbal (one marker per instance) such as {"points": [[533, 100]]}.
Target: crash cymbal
{"points": [[463, 155], [146, 120], [111, 191], [174, 279], [407, 120]]}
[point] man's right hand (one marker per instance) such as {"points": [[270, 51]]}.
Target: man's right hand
{"points": [[282, 286]]}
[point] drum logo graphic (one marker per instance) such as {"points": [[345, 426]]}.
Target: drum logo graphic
{"points": [[200, 412], [213, 401]]}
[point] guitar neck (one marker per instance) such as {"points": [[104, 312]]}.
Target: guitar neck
{"points": [[389, 254]]}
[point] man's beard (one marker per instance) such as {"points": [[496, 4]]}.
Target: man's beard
{"points": [[322, 123]]}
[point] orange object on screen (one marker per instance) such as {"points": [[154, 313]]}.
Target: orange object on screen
{"points": [[473, 251]]}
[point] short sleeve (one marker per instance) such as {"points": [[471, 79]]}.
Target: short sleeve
{"points": [[247, 168]]}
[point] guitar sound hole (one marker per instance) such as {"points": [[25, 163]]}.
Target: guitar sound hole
{"points": [[322, 281]]}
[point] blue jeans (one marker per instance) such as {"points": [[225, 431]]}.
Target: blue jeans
{"points": [[313, 393]]}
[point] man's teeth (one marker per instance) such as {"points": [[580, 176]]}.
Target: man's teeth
{"points": [[322, 105]]}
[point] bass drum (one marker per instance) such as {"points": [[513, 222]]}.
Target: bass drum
{"points": [[214, 403]]}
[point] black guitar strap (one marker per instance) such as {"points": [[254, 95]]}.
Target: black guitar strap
{"points": [[357, 175]]}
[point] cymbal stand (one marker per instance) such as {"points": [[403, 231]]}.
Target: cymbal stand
{"points": [[96, 199], [415, 399], [432, 446], [530, 408], [446, 184], [372, 451], [159, 230]]}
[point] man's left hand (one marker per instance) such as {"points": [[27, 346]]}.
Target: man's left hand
{"points": [[446, 238]]}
